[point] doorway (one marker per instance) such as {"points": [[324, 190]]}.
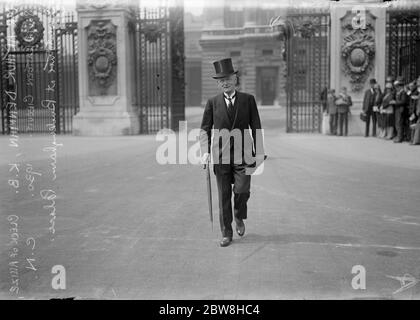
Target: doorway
{"points": [[267, 84]]}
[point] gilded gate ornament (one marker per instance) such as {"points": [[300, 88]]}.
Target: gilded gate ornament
{"points": [[357, 49], [152, 31], [102, 54], [29, 30], [305, 27]]}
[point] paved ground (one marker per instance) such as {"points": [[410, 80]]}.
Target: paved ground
{"points": [[127, 227]]}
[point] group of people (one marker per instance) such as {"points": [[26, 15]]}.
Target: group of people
{"points": [[338, 109], [393, 114]]}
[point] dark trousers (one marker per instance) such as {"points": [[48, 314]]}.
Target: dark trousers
{"points": [[381, 120], [333, 123], [389, 120], [406, 128], [226, 175], [343, 120], [400, 123], [368, 116]]}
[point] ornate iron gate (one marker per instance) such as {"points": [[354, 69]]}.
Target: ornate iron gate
{"points": [[307, 54], [67, 72], [403, 35], [35, 84], [158, 44]]}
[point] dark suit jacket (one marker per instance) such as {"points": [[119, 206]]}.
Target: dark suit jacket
{"points": [[386, 99], [401, 99], [368, 101], [245, 145], [343, 108], [413, 102], [378, 98]]}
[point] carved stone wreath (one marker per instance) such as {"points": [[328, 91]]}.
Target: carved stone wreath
{"points": [[102, 62], [29, 30], [358, 51], [102, 57]]}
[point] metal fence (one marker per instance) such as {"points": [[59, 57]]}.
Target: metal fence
{"points": [[403, 36], [158, 50], [38, 69], [34, 34], [67, 72], [307, 54]]}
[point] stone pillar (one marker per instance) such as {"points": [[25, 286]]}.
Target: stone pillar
{"points": [[357, 51], [105, 66]]}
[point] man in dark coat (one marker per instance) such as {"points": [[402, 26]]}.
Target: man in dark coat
{"points": [[343, 103], [368, 104], [236, 152], [415, 116], [412, 94], [401, 109]]}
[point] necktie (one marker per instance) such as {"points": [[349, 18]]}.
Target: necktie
{"points": [[231, 109]]}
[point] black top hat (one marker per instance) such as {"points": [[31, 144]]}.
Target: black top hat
{"points": [[223, 68]]}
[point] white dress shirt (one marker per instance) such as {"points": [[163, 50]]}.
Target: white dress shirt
{"points": [[226, 98]]}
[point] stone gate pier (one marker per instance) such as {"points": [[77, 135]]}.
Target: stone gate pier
{"points": [[358, 31], [105, 70]]}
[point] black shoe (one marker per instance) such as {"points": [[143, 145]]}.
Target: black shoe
{"points": [[225, 241], [240, 227]]}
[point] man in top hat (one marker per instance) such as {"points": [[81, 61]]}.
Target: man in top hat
{"points": [[368, 104], [401, 109], [235, 151]]}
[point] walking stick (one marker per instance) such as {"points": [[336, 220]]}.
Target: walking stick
{"points": [[207, 166]]}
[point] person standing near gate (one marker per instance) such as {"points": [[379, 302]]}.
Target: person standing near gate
{"points": [[401, 109], [416, 127], [388, 102], [332, 111], [412, 94], [343, 103], [377, 108], [231, 112], [368, 104]]}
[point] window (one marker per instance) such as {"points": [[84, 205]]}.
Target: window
{"points": [[267, 52], [234, 54]]}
